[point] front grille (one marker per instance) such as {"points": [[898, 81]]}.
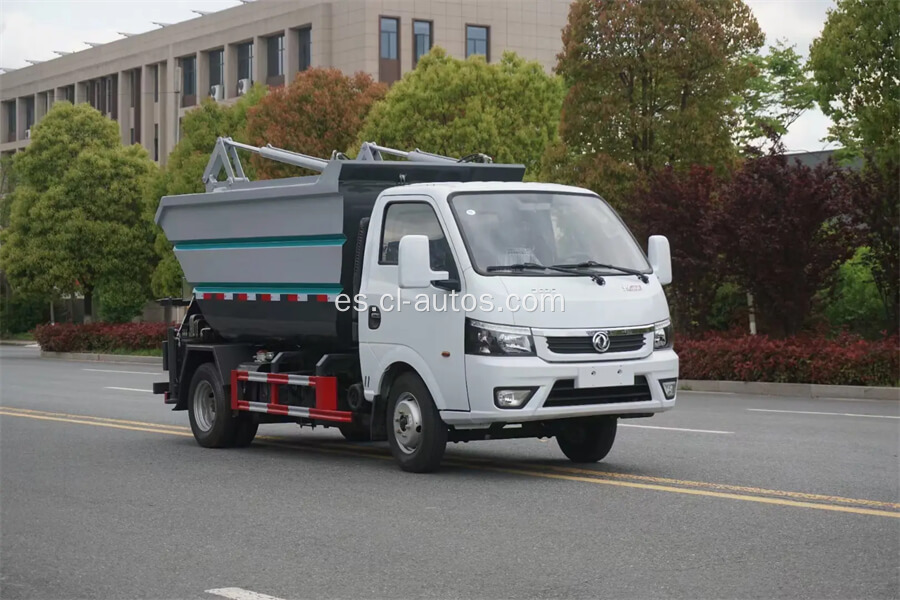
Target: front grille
{"points": [[564, 393], [585, 344]]}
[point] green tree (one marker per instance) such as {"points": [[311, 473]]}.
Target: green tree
{"points": [[776, 96], [321, 111], [77, 213], [508, 110], [855, 63], [183, 173], [652, 84]]}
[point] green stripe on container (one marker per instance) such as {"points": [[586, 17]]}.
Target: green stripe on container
{"points": [[272, 242], [267, 288]]}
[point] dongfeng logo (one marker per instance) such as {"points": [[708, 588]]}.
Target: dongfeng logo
{"points": [[601, 341]]}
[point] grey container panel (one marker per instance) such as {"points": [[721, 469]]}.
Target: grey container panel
{"points": [[303, 209], [303, 264]]}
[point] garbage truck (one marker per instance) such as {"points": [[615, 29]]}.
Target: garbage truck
{"points": [[413, 298]]}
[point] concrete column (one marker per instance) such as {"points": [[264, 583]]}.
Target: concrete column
{"points": [[59, 94], [162, 109], [231, 71], [172, 106], [81, 91], [291, 55], [40, 106], [259, 59], [20, 118], [4, 121], [123, 108], [147, 108], [202, 76]]}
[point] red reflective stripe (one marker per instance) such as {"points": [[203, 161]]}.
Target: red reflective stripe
{"points": [[207, 296], [277, 409], [219, 296], [291, 297], [321, 298], [340, 416], [277, 378], [241, 297], [235, 376], [264, 297], [243, 405]]}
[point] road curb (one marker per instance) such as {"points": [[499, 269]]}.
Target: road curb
{"points": [[93, 357], [796, 390], [18, 343]]}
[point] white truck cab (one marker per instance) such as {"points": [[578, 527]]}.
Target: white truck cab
{"points": [[451, 271]]}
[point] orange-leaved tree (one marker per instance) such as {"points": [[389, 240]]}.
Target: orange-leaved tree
{"points": [[322, 110]]}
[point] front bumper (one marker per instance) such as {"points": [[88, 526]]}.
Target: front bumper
{"points": [[486, 373]]}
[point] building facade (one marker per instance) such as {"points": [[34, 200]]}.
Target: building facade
{"points": [[147, 82]]}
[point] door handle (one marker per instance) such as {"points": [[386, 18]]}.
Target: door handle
{"points": [[374, 317]]}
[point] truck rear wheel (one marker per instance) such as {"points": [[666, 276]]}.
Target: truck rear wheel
{"points": [[416, 433], [588, 439], [210, 412]]}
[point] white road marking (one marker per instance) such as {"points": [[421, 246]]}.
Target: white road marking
{"points": [[116, 371], [833, 414], [240, 594], [128, 389], [675, 428]]}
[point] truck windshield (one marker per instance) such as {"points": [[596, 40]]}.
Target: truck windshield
{"points": [[571, 230]]}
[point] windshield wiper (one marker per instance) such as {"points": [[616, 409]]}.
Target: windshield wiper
{"points": [[561, 268], [590, 263]]}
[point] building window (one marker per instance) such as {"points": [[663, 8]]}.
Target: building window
{"points": [[29, 113], [275, 55], [10, 121], [389, 49], [389, 28], [305, 48], [189, 80], [216, 67], [421, 40], [245, 61], [478, 41], [156, 83], [156, 142]]}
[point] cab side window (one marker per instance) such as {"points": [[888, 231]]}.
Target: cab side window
{"points": [[415, 218]]}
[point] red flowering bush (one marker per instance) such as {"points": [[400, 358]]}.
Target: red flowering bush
{"points": [[844, 360], [100, 337]]}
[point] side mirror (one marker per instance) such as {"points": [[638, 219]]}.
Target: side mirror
{"points": [[660, 258], [414, 263]]}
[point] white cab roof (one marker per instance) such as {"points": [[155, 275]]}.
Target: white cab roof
{"points": [[443, 189]]}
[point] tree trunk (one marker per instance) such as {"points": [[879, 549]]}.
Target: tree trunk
{"points": [[88, 306]]}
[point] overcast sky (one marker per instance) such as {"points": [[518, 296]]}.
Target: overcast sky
{"points": [[32, 29]]}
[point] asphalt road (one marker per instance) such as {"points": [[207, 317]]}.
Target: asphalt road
{"points": [[105, 494]]}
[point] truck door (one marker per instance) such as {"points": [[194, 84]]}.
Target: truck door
{"points": [[418, 326]]}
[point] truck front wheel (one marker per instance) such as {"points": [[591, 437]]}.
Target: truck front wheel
{"points": [[587, 440], [416, 433]]}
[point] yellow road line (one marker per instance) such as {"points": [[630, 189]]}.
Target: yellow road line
{"points": [[597, 477]]}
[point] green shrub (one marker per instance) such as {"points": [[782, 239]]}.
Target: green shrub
{"points": [[854, 303]]}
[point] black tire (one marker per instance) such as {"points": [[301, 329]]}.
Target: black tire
{"points": [[417, 447], [216, 429], [355, 432], [245, 430], [587, 440]]}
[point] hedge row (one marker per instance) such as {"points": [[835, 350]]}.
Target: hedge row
{"points": [[844, 360], [100, 337]]}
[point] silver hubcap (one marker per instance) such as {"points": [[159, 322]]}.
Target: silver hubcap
{"points": [[204, 406], [407, 423]]}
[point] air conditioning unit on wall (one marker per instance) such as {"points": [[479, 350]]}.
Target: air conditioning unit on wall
{"points": [[28, 134], [217, 92], [243, 86]]}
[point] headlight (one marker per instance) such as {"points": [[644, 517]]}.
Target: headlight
{"points": [[662, 335], [486, 339]]}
